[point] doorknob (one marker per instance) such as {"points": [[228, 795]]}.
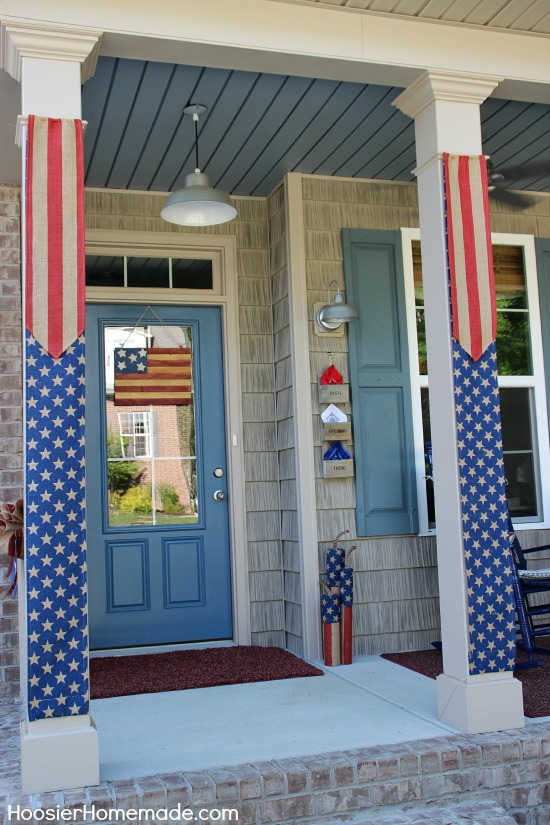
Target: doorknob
{"points": [[219, 495]]}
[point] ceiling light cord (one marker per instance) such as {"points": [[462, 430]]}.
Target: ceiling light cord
{"points": [[196, 120]]}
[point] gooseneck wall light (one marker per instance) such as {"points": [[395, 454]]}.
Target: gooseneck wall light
{"points": [[331, 316], [198, 203]]}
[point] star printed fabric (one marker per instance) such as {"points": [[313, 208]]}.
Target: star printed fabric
{"points": [[55, 533], [486, 543]]}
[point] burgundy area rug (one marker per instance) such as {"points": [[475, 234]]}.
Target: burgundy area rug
{"points": [[185, 669], [535, 681]]}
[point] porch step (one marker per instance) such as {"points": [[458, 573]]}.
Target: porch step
{"points": [[485, 812]]}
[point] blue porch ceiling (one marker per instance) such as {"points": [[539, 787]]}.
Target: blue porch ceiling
{"points": [[260, 126]]}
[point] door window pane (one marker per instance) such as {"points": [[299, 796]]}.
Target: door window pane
{"points": [[149, 272], [513, 338], [150, 448], [104, 270]]}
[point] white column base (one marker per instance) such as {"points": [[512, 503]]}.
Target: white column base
{"points": [[483, 704], [59, 754]]}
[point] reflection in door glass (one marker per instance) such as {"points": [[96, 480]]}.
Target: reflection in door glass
{"points": [[150, 446]]}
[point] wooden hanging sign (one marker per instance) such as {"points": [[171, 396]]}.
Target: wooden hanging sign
{"points": [[337, 431], [333, 393], [338, 468]]}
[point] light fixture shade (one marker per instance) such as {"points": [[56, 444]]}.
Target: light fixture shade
{"points": [[339, 311], [198, 204]]}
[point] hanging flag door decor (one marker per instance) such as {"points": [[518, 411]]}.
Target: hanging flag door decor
{"points": [[153, 375]]}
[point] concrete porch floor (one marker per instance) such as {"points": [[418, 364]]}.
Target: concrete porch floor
{"points": [[369, 703]]}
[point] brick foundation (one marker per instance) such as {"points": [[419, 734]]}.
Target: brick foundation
{"points": [[405, 783]]}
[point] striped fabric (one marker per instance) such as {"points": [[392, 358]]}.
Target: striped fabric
{"points": [[55, 292], [152, 376], [470, 253]]}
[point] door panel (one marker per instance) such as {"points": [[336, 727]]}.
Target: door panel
{"points": [[158, 540]]}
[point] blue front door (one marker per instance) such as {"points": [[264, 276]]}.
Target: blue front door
{"points": [[158, 537]]}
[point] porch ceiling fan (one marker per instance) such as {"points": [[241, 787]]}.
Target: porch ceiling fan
{"points": [[499, 178]]}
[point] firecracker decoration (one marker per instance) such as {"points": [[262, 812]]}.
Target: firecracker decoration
{"points": [[346, 611], [11, 541], [336, 603]]}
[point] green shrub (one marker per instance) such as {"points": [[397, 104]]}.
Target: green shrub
{"points": [[137, 500], [169, 499]]}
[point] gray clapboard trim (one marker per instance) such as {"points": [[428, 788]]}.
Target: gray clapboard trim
{"points": [[319, 188], [285, 402], [256, 349], [266, 586], [260, 436], [288, 494], [287, 464], [293, 619], [280, 285], [393, 617], [254, 292], [380, 586], [289, 525], [394, 642], [283, 374], [261, 496], [282, 344], [291, 556], [252, 263], [267, 616], [285, 433], [263, 526], [273, 638], [261, 466], [258, 407], [292, 588], [255, 320], [257, 378], [281, 318], [295, 644], [264, 555]]}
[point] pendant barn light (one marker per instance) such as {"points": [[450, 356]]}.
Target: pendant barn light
{"points": [[331, 316], [198, 204]]}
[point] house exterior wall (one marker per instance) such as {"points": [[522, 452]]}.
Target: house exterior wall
{"points": [[11, 415], [141, 212], [396, 604]]}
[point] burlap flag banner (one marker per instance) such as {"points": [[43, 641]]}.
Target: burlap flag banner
{"points": [[473, 303], [55, 267]]}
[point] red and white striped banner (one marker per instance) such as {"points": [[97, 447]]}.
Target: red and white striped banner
{"points": [[470, 253], [55, 291]]}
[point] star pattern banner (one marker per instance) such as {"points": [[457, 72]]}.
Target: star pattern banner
{"points": [[55, 533], [491, 616], [153, 376]]}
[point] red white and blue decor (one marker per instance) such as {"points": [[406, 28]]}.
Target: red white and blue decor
{"points": [[479, 434], [55, 513]]}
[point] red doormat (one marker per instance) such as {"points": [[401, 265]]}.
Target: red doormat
{"points": [[535, 681], [186, 669]]}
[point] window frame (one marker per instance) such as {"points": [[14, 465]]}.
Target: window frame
{"points": [[535, 383]]}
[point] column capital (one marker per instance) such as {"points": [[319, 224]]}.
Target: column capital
{"points": [[20, 40], [448, 86]]}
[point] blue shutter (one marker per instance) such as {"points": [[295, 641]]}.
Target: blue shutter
{"points": [[542, 246], [380, 384]]}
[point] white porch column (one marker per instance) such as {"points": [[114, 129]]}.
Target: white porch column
{"points": [[445, 108], [59, 744]]}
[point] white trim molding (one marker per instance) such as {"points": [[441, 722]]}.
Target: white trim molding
{"points": [[19, 40]]}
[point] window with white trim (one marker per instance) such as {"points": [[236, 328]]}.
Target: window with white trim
{"points": [[135, 434], [521, 378]]}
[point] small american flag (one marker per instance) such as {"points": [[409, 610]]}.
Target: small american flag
{"points": [[152, 376], [470, 253]]}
